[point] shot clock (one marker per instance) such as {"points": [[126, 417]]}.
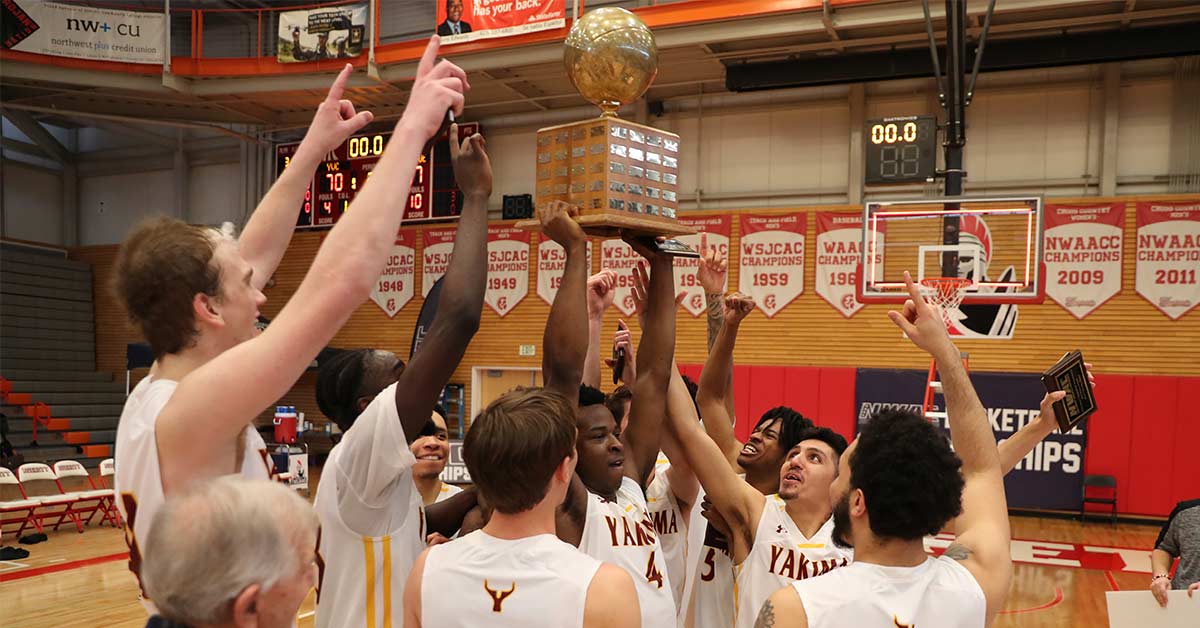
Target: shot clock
{"points": [[900, 149], [434, 195]]}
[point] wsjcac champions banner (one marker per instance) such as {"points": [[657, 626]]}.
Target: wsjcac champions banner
{"points": [[772, 259], [468, 20], [79, 32], [325, 33], [508, 268], [394, 288], [551, 263], [1168, 256], [620, 258], [1083, 255], [1051, 476], [716, 229]]}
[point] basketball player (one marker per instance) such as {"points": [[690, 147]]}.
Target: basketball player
{"points": [[605, 512], [515, 571], [885, 514], [372, 524], [195, 295], [432, 451]]}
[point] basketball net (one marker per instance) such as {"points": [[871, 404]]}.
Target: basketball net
{"points": [[945, 293]]}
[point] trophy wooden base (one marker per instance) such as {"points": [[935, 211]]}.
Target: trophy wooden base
{"points": [[612, 225]]}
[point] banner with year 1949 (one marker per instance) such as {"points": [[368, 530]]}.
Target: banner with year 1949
{"points": [[508, 268], [1083, 255], [617, 256], [1168, 256], [552, 261], [394, 288], [716, 229]]}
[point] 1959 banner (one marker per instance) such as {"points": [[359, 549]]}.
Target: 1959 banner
{"points": [[771, 260]]}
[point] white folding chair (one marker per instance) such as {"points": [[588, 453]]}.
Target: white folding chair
{"points": [[41, 484], [108, 468], [76, 482], [13, 501]]}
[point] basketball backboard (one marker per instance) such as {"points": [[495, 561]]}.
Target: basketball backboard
{"points": [[995, 243]]}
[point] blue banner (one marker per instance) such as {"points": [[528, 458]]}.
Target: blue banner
{"points": [[1050, 476]]}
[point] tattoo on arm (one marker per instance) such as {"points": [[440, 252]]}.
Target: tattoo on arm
{"points": [[766, 616], [716, 315], [957, 551]]}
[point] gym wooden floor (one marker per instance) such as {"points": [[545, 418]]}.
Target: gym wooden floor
{"points": [[91, 584]]}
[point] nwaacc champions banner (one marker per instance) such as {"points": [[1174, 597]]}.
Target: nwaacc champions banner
{"points": [[1050, 476], [80, 32], [468, 20], [1083, 255], [1168, 256], [325, 33]]}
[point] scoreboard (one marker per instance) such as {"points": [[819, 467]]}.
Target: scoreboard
{"points": [[902, 149], [338, 178]]}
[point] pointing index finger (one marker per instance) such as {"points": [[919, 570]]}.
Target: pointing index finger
{"points": [[429, 58], [455, 149], [913, 291], [339, 84]]}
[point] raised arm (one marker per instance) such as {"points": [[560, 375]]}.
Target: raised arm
{"points": [[564, 343], [269, 230], [461, 302], [718, 369], [684, 485], [230, 390], [982, 529], [712, 273], [600, 293], [1015, 448], [656, 354]]}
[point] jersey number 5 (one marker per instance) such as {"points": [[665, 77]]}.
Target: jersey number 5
{"points": [[652, 572]]}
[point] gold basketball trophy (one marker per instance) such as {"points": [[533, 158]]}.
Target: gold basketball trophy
{"points": [[623, 176]]}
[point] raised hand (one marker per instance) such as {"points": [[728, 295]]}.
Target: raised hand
{"points": [[557, 219], [1047, 417], [335, 119], [641, 287], [623, 340], [653, 254], [600, 292], [439, 86], [737, 307], [713, 267], [472, 168], [922, 323]]}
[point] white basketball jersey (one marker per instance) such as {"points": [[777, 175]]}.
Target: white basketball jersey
{"points": [[138, 478], [372, 522], [939, 593], [448, 491], [671, 527], [622, 533], [780, 555], [481, 580]]}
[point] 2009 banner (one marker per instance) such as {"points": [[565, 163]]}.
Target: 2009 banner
{"points": [[1083, 255], [508, 268], [716, 230], [394, 288], [771, 259], [468, 20], [1168, 256]]}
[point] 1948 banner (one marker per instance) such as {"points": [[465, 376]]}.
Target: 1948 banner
{"points": [[435, 257], [394, 288], [468, 20], [552, 261], [839, 246], [1168, 256], [1083, 254], [508, 268], [716, 229], [771, 262]]}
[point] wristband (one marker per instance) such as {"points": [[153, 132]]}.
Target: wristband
{"points": [[1157, 576]]}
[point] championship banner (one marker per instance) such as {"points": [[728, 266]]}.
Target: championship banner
{"points": [[468, 20], [1083, 255], [772, 259], [616, 255], [552, 261], [1050, 476], [508, 268], [839, 251], [325, 33], [435, 257], [394, 288], [80, 32], [1168, 256], [717, 228]]}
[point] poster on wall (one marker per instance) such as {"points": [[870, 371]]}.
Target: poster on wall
{"points": [[394, 288], [1083, 253], [1050, 476], [80, 32], [620, 258], [323, 33], [435, 256], [508, 268], [839, 246], [468, 20], [1168, 256], [552, 261], [771, 262], [716, 229]]}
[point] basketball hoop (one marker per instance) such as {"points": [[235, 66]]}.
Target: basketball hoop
{"points": [[945, 293]]}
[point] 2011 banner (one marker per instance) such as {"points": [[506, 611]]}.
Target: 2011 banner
{"points": [[468, 20], [1083, 255], [1168, 256]]}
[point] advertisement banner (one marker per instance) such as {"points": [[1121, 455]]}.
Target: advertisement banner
{"points": [[619, 257], [717, 228], [1050, 476], [552, 261], [435, 257], [839, 252], [772, 259], [508, 268], [469, 20], [80, 32], [1168, 256], [1083, 253], [325, 33], [394, 288]]}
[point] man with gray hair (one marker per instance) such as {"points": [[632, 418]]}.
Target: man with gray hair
{"points": [[231, 552]]}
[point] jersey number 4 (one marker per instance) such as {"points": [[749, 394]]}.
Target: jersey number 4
{"points": [[652, 572]]}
